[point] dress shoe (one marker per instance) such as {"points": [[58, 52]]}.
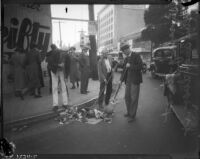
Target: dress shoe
{"points": [[65, 106], [37, 96], [55, 108], [131, 119], [73, 87], [126, 115]]}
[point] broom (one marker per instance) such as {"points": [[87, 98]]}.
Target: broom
{"points": [[110, 108]]}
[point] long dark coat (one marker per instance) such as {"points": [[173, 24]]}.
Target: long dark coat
{"points": [[134, 73], [18, 61], [32, 68], [74, 69]]}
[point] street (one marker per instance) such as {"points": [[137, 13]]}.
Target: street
{"points": [[148, 134]]}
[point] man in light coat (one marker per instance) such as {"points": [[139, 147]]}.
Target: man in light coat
{"points": [[105, 77], [59, 65]]}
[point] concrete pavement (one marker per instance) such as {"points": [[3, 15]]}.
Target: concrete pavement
{"points": [[149, 134], [16, 109], [19, 112]]}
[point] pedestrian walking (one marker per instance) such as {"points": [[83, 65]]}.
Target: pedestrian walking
{"points": [[18, 63], [133, 78], [105, 77], [74, 68], [59, 65], [33, 59], [84, 69]]}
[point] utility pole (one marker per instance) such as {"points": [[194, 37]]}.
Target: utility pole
{"points": [[93, 50]]}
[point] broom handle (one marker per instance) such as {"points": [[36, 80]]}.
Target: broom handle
{"points": [[120, 84], [108, 80]]}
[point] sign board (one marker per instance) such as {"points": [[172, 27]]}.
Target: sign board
{"points": [[92, 28]]}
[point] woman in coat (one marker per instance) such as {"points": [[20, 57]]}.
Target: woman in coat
{"points": [[18, 61], [32, 67], [74, 69]]}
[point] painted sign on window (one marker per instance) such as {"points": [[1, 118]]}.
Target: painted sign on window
{"points": [[25, 34]]}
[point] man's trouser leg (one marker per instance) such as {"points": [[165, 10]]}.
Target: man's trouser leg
{"points": [[108, 89], [50, 80], [82, 82], [86, 80], [135, 90], [63, 87], [101, 94], [128, 97], [55, 88]]}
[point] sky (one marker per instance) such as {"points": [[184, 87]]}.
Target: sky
{"points": [[70, 29]]}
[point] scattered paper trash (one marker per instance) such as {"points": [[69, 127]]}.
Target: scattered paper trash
{"points": [[85, 115]]}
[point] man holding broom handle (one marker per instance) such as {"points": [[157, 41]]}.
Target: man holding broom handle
{"points": [[132, 79]]}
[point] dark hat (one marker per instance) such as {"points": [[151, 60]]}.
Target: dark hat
{"points": [[104, 51], [124, 46], [53, 46]]}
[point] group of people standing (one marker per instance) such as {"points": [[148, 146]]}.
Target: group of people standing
{"points": [[62, 64], [27, 72]]}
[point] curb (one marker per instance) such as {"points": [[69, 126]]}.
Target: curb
{"points": [[44, 116]]}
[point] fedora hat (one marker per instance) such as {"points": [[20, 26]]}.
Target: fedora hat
{"points": [[124, 46]]}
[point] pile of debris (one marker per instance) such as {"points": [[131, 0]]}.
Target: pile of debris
{"points": [[85, 115]]}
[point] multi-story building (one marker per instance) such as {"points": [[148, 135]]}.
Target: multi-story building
{"points": [[116, 21]]}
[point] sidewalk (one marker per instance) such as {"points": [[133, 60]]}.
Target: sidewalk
{"points": [[16, 109]]}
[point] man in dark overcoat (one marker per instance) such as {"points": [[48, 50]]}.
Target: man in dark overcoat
{"points": [[133, 79], [84, 69]]}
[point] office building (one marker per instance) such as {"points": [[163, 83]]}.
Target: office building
{"points": [[116, 21]]}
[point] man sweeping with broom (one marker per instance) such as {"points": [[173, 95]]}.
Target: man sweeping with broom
{"points": [[132, 79], [105, 77]]}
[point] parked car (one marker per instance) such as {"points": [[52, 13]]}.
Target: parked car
{"points": [[162, 61]]}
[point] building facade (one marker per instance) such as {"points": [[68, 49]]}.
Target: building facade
{"points": [[24, 25], [116, 21]]}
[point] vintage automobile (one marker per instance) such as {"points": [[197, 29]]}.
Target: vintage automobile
{"points": [[163, 60]]}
